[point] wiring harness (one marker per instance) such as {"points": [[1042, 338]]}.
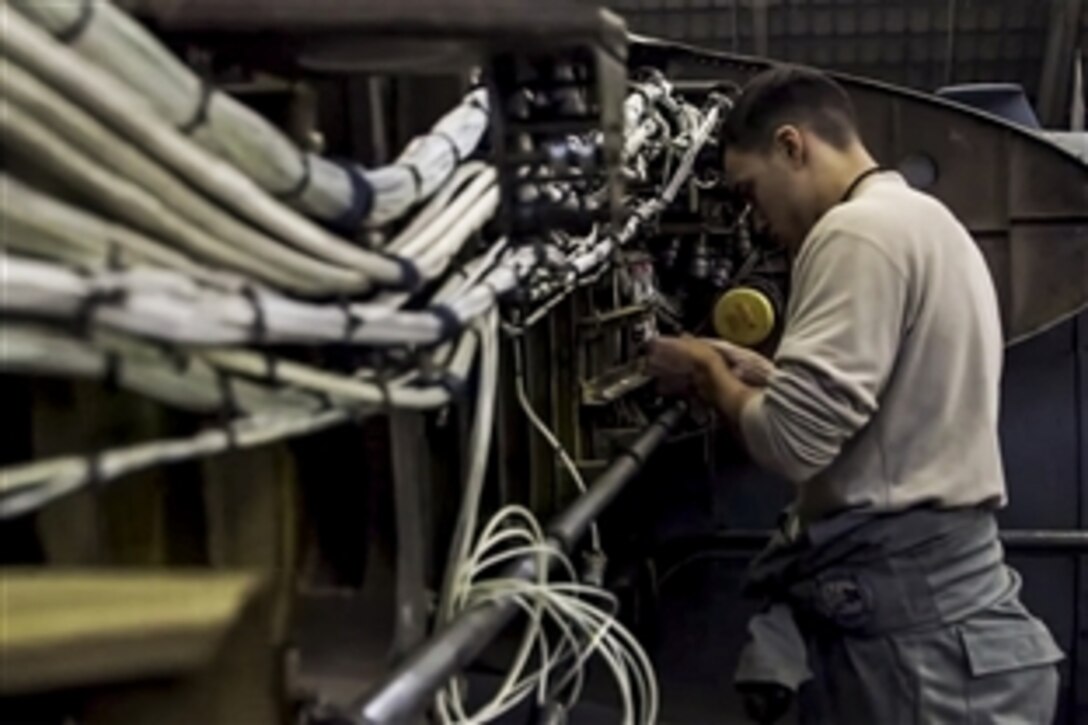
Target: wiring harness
{"points": [[161, 237]]}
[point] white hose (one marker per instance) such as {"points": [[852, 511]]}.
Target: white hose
{"points": [[39, 225], [117, 44], [89, 157], [28, 487], [130, 114]]}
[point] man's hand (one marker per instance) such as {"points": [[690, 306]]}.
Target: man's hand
{"points": [[688, 365], [681, 363], [748, 365]]}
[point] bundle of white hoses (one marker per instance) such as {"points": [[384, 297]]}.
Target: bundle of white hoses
{"points": [[126, 114], [107, 37], [164, 305], [78, 124], [568, 622], [291, 399]]}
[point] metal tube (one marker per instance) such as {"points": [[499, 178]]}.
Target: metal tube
{"points": [[404, 692], [748, 540], [568, 526], [1043, 539]]}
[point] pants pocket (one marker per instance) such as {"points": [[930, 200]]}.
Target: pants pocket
{"points": [[1013, 673]]}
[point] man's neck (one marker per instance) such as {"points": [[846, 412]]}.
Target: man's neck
{"points": [[838, 173], [841, 173]]}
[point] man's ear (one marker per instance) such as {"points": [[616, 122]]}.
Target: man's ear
{"points": [[789, 140]]}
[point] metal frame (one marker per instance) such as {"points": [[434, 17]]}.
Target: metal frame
{"points": [[1079, 656], [410, 686], [1031, 222], [1054, 82]]}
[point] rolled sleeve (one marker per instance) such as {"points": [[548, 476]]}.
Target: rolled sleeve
{"points": [[839, 347]]}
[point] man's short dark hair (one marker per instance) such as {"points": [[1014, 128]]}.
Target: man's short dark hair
{"points": [[789, 95]]}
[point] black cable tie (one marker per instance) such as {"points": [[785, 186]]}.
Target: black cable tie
{"points": [[450, 323], [114, 260], [382, 383], [72, 33], [461, 269], [411, 279], [453, 385], [111, 376], [226, 392], [479, 105], [179, 360], [417, 179], [362, 199], [352, 321], [260, 326], [229, 408], [271, 366], [95, 477], [457, 159], [200, 115], [231, 434], [303, 182], [85, 312]]}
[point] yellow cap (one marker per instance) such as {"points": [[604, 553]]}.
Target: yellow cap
{"points": [[744, 316]]}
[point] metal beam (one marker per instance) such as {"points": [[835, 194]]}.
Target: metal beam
{"points": [[412, 684], [1057, 74], [740, 541], [761, 26], [412, 487], [1079, 655]]}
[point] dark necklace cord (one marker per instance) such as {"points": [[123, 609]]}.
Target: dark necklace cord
{"points": [[857, 182]]}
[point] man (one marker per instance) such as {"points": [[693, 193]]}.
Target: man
{"points": [[886, 590]]}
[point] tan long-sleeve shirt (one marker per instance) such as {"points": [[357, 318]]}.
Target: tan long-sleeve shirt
{"points": [[885, 394]]}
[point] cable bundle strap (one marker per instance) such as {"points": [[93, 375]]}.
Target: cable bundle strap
{"points": [[452, 144], [476, 103], [260, 324], [303, 182], [230, 408], [111, 376], [417, 179], [449, 321], [362, 200], [95, 477], [411, 279], [200, 114], [271, 366], [87, 309], [352, 321], [74, 31]]}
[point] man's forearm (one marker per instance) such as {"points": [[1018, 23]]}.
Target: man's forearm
{"points": [[731, 395], [727, 393]]}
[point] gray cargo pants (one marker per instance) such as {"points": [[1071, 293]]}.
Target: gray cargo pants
{"points": [[901, 620]]}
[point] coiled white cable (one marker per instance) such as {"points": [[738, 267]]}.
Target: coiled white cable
{"points": [[585, 628]]}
